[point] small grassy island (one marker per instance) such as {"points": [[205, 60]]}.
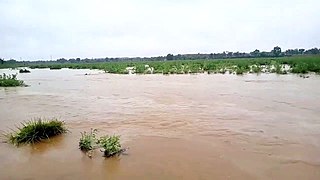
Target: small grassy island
{"points": [[24, 71], [7, 80], [36, 130]]}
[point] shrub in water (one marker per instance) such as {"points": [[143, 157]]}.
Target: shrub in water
{"points": [[88, 140], [110, 144], [10, 81], [36, 130], [24, 71]]}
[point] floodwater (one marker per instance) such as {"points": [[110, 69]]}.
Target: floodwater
{"points": [[176, 127]]}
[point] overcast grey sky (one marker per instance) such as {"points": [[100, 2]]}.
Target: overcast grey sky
{"points": [[37, 29]]}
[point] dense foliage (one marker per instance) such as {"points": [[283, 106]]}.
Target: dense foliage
{"points": [[275, 52], [110, 144], [298, 64], [10, 80], [280, 65]]}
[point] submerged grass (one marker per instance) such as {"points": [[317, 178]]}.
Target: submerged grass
{"points": [[110, 144], [7, 80], [36, 130], [88, 141]]}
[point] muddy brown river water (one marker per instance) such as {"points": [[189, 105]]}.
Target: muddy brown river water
{"points": [[176, 127]]}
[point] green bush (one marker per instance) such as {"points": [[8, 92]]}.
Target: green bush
{"points": [[36, 130], [88, 141], [110, 144], [24, 71], [10, 81]]}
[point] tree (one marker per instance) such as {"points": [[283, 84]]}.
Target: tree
{"points": [[170, 57], [255, 53], [301, 51], [276, 51], [313, 51], [179, 57], [62, 60], [2, 61]]}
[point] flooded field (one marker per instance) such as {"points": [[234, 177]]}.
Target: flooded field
{"points": [[176, 127]]}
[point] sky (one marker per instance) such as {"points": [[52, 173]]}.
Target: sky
{"points": [[41, 29]]}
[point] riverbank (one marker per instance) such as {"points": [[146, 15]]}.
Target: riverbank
{"points": [[282, 65]]}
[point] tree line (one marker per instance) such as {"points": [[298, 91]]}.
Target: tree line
{"points": [[275, 52]]}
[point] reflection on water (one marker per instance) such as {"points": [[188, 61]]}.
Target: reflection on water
{"points": [[177, 127]]}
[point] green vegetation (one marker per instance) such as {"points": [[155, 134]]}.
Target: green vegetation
{"points": [[110, 144], [55, 67], [88, 141], [36, 130], [280, 65], [24, 71], [10, 81]]}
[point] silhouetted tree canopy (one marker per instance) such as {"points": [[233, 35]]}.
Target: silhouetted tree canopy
{"points": [[170, 57]]}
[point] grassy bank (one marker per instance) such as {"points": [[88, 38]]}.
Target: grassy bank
{"points": [[283, 65], [10, 81]]}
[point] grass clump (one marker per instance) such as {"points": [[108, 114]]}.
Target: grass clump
{"points": [[10, 81], [37, 130], [88, 141], [110, 144]]}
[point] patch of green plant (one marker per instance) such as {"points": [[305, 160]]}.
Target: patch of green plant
{"points": [[10, 81], [88, 141], [256, 69], [55, 67], [110, 144], [24, 71], [36, 130], [295, 64]]}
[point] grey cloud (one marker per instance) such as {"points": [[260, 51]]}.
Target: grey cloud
{"points": [[35, 29]]}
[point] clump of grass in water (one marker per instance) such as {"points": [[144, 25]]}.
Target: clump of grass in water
{"points": [[10, 81], [111, 145], [36, 130], [88, 141]]}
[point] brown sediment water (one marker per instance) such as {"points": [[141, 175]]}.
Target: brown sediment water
{"points": [[176, 127]]}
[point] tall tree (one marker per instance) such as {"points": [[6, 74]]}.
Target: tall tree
{"points": [[170, 57], [301, 51], [255, 53], [276, 51]]}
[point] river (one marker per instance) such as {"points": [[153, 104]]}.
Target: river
{"points": [[176, 127]]}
